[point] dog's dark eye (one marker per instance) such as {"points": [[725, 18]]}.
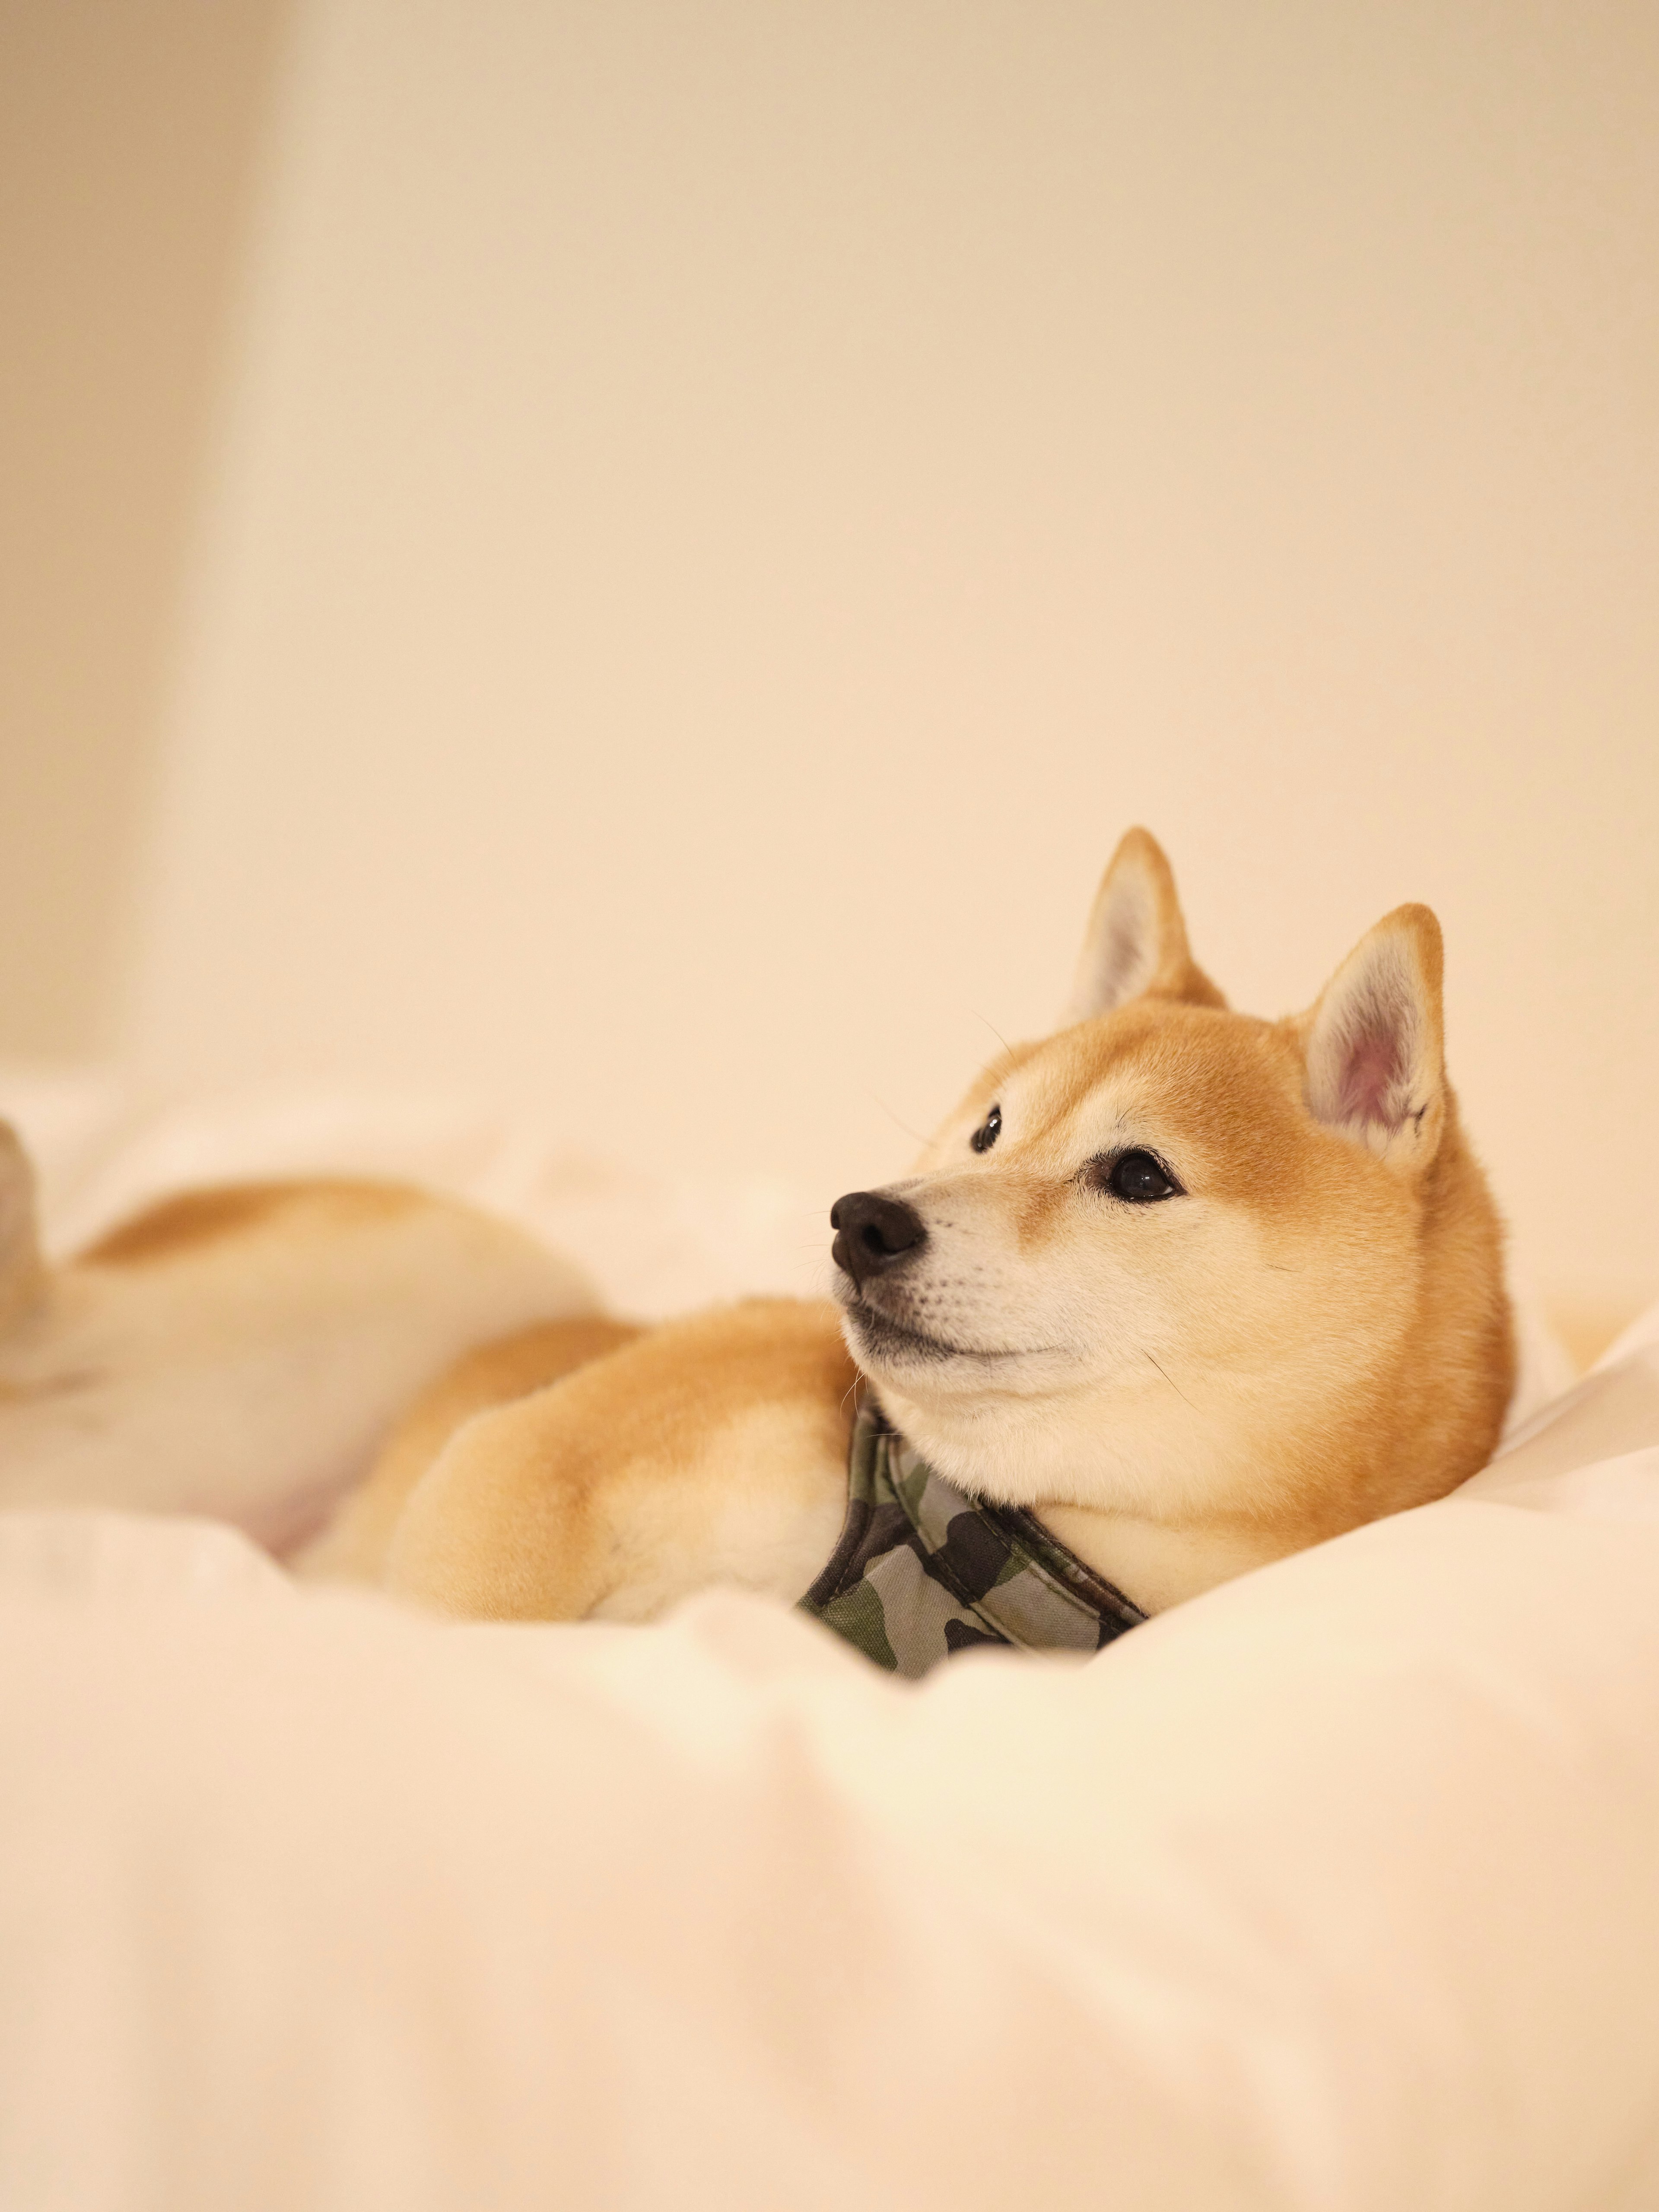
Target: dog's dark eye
{"points": [[987, 1132], [1138, 1177]]}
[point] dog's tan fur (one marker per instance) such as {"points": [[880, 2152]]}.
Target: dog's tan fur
{"points": [[242, 1351], [710, 1449], [1312, 1333], [490, 1375], [191, 1219]]}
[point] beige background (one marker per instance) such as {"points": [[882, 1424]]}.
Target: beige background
{"points": [[709, 521], [129, 133]]}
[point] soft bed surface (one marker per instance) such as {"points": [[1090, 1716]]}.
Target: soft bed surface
{"points": [[1333, 1888]]}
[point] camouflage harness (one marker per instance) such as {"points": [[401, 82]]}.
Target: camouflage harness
{"points": [[923, 1571]]}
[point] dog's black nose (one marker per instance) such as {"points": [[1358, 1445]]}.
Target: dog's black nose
{"points": [[872, 1231]]}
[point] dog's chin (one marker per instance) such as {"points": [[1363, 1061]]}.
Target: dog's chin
{"points": [[907, 1356], [879, 1343]]}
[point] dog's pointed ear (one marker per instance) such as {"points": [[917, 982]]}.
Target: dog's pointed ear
{"points": [[1136, 942], [1375, 1043]]}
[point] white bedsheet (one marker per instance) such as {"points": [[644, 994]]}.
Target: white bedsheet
{"points": [[1334, 1889]]}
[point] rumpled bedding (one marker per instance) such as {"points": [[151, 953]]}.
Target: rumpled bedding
{"points": [[1334, 1889]]}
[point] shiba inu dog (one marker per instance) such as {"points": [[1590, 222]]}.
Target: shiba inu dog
{"points": [[242, 1352], [1186, 1289]]}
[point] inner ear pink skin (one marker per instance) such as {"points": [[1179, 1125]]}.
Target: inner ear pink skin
{"points": [[1371, 1070]]}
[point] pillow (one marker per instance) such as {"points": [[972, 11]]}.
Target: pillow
{"points": [[1331, 1890], [1593, 1448]]}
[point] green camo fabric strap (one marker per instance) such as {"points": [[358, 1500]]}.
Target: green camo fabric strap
{"points": [[923, 1571]]}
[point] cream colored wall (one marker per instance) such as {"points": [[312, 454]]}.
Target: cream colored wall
{"points": [[128, 136], [726, 513]]}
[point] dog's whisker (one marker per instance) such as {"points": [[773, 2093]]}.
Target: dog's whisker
{"points": [[898, 1122], [992, 1026], [1170, 1380]]}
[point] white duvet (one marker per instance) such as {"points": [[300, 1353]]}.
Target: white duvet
{"points": [[1338, 1887]]}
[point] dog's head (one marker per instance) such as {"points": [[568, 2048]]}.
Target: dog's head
{"points": [[1179, 1263]]}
